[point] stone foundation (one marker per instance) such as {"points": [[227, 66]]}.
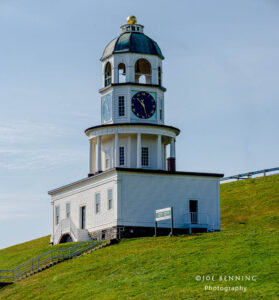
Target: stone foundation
{"points": [[119, 232]]}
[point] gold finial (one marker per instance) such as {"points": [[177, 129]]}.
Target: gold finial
{"points": [[131, 20]]}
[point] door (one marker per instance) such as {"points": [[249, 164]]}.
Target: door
{"points": [[83, 213], [193, 209]]}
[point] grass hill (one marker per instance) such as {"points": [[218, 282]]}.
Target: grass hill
{"points": [[164, 267]]}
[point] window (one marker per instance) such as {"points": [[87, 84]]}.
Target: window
{"points": [[121, 106], [159, 76], [57, 215], [97, 203], [108, 74], [68, 210], [142, 71], [161, 109], [107, 159], [107, 163], [121, 156], [121, 73], [144, 156], [109, 198]]}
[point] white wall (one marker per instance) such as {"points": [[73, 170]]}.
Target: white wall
{"points": [[84, 194], [130, 147], [142, 194], [136, 196]]}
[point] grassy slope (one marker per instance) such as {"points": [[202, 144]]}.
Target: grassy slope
{"points": [[164, 267]]}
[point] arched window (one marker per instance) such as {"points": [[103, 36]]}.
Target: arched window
{"points": [[121, 73], [159, 76], [142, 71], [108, 74]]}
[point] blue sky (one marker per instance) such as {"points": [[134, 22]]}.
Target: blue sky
{"points": [[221, 74]]}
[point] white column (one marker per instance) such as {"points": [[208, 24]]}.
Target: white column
{"points": [[91, 156], [172, 148], [159, 152], [114, 74], [139, 151], [52, 236], [116, 150], [99, 159], [130, 73]]}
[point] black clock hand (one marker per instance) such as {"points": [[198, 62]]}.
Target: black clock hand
{"points": [[143, 105]]}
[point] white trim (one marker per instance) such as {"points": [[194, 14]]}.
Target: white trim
{"points": [[152, 130]]}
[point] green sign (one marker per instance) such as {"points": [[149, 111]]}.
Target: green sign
{"points": [[163, 214]]}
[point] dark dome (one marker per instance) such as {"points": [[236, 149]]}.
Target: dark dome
{"points": [[132, 42]]}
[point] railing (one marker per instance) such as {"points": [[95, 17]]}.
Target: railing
{"points": [[67, 226], [250, 174], [197, 218], [46, 259], [142, 78], [107, 80]]}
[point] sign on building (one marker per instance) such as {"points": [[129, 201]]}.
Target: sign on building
{"points": [[164, 214]]}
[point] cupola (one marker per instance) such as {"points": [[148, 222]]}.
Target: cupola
{"points": [[132, 40]]}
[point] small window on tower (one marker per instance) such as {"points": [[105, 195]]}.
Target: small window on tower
{"points": [[159, 76], [161, 109], [121, 156], [107, 159], [108, 74], [107, 163], [144, 156], [121, 106], [142, 71], [121, 73]]}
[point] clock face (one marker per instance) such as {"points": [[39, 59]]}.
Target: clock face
{"points": [[106, 108], [143, 105]]}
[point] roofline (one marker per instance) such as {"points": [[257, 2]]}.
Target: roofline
{"points": [[133, 170], [132, 83], [132, 124], [121, 52]]}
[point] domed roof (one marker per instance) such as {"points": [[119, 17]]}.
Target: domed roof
{"points": [[135, 42]]}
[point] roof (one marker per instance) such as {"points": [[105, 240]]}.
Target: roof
{"points": [[132, 124], [120, 169], [134, 42]]}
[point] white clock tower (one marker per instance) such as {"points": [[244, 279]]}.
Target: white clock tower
{"points": [[132, 134], [130, 175]]}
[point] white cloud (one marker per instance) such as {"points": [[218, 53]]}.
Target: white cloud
{"points": [[15, 210], [27, 131], [16, 140], [17, 159]]}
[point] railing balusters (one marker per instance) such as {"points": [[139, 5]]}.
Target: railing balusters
{"points": [[35, 263]]}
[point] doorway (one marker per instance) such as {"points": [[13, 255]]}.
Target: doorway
{"points": [[193, 209], [82, 214]]}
